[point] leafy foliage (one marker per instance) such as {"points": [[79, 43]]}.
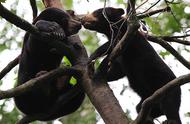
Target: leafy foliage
{"points": [[169, 23], [8, 117]]}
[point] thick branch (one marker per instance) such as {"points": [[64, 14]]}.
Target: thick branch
{"points": [[156, 97], [23, 24], [131, 7], [11, 65], [104, 100], [97, 90], [35, 82], [170, 49], [12, 18]]}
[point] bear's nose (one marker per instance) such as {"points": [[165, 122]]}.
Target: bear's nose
{"points": [[83, 20]]}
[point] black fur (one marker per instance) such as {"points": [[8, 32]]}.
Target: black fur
{"points": [[144, 69], [37, 58]]}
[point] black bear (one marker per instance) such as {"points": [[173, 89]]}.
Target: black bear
{"points": [[143, 67], [38, 57]]}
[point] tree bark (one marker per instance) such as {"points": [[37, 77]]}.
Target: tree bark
{"points": [[53, 3]]}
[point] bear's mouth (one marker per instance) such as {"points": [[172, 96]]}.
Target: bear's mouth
{"points": [[88, 25], [74, 26], [89, 21]]}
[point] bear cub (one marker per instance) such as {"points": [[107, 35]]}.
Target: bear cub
{"points": [[38, 57], [139, 62]]}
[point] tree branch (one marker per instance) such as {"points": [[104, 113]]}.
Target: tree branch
{"points": [[148, 14], [174, 39], [35, 82], [21, 23], [170, 49], [34, 8], [11, 65], [182, 36], [104, 100], [151, 6], [131, 7], [157, 95], [97, 90]]}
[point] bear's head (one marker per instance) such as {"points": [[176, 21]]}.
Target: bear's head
{"points": [[63, 18], [100, 19]]}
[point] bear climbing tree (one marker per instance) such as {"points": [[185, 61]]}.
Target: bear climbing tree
{"points": [[144, 69], [53, 34]]}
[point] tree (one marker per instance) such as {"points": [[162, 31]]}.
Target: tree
{"points": [[100, 93]]}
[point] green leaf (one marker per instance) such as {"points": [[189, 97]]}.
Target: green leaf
{"points": [[163, 54], [68, 4], [120, 1], [66, 61], [73, 81]]}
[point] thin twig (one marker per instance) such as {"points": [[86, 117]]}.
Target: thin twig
{"points": [[110, 26], [172, 13], [133, 26], [151, 6], [148, 14], [141, 4]]}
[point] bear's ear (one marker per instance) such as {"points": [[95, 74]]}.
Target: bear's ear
{"points": [[114, 12], [119, 11]]}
